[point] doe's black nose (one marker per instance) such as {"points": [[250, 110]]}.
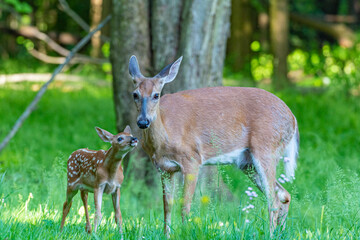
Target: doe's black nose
{"points": [[143, 123]]}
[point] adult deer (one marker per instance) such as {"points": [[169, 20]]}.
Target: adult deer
{"points": [[98, 172], [248, 127]]}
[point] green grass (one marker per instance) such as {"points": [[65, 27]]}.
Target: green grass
{"points": [[325, 195]]}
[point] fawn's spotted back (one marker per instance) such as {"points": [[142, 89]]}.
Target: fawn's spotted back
{"points": [[84, 162]]}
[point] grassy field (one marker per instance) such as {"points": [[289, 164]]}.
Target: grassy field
{"points": [[325, 195]]}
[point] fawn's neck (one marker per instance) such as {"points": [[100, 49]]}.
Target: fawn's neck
{"points": [[113, 159]]}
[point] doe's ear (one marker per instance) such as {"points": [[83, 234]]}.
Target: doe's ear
{"points": [[168, 74], [104, 135], [134, 68], [127, 129]]}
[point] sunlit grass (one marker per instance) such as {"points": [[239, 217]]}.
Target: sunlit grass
{"points": [[325, 195]]}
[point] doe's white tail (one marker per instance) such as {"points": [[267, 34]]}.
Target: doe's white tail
{"points": [[291, 155]]}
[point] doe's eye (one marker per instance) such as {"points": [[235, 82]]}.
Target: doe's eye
{"points": [[136, 96], [120, 139], [156, 96]]}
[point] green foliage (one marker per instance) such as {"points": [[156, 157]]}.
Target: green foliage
{"points": [[20, 7], [333, 66], [324, 195]]}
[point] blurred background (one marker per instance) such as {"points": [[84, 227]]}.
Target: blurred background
{"points": [[306, 52]]}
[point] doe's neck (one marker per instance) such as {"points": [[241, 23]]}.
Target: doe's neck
{"points": [[156, 134]]}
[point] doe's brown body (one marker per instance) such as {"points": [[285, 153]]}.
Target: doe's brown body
{"points": [[248, 127]]}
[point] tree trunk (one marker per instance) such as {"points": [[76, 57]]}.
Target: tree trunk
{"points": [[242, 28], [279, 31], [165, 32], [263, 23], [130, 35], [106, 10], [160, 31], [204, 31], [95, 16]]}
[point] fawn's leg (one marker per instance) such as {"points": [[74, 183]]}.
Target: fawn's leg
{"points": [[98, 193], [116, 203], [84, 197], [67, 205]]}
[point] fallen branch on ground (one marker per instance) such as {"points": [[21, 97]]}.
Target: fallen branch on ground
{"points": [[41, 92]]}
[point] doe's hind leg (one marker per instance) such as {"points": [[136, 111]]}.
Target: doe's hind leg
{"points": [[284, 198], [264, 178]]}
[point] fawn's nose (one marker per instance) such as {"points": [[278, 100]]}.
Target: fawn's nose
{"points": [[143, 123], [133, 141]]}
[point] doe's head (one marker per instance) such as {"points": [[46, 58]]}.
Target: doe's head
{"points": [[123, 141], [147, 90]]}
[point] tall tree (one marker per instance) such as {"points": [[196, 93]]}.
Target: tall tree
{"points": [[195, 29], [279, 35]]}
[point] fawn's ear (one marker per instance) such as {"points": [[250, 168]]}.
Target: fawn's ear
{"points": [[104, 135], [127, 129], [168, 74]]}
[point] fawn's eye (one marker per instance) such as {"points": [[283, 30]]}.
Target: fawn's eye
{"points": [[156, 96], [136, 96], [120, 139]]}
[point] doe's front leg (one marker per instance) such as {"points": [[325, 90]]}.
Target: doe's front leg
{"points": [[98, 194], [167, 181], [190, 180]]}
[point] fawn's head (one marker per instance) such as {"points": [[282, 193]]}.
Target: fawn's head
{"points": [[122, 142], [147, 90]]}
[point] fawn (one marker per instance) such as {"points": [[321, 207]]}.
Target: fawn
{"points": [[98, 172]]}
